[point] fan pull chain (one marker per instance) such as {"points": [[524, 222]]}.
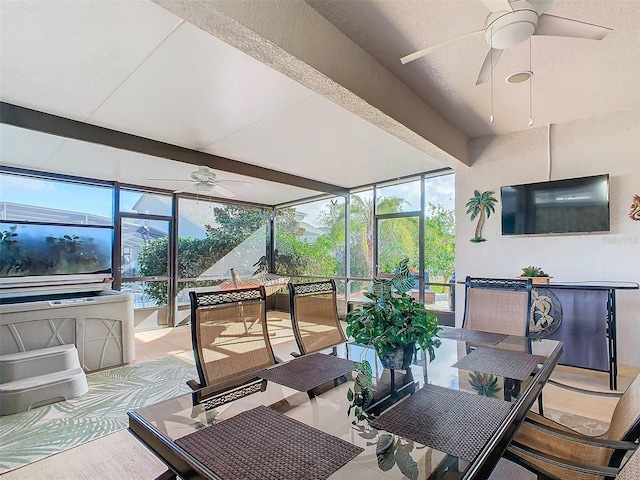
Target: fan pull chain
{"points": [[491, 118], [530, 86]]}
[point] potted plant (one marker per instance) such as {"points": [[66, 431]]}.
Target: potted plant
{"points": [[393, 322], [536, 274]]}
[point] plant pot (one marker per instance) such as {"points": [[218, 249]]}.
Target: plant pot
{"points": [[398, 359], [537, 280]]}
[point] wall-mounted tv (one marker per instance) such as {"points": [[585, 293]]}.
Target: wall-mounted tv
{"points": [[572, 205]]}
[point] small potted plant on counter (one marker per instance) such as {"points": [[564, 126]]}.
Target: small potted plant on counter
{"points": [[536, 274]]}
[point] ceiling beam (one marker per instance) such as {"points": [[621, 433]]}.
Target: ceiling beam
{"points": [[27, 118]]}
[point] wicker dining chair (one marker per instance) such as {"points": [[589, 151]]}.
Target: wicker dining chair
{"points": [[498, 305], [557, 451], [230, 343], [314, 316]]}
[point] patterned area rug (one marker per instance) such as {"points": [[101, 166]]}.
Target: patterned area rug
{"points": [[29, 436]]}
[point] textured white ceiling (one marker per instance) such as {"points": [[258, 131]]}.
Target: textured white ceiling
{"points": [[573, 78]]}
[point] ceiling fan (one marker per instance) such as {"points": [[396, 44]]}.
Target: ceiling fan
{"points": [[203, 180], [510, 23]]}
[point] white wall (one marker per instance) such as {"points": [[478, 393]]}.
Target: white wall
{"points": [[608, 144]]}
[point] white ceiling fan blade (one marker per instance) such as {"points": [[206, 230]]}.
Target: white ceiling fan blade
{"points": [[426, 51], [234, 183], [170, 180], [225, 192], [185, 189], [497, 5], [566, 27], [488, 65], [542, 6]]}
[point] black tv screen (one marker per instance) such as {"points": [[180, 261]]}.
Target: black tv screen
{"points": [[562, 206]]}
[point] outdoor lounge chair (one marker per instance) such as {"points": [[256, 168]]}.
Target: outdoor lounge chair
{"points": [[314, 316], [230, 343]]}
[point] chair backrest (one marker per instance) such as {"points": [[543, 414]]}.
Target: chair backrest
{"points": [[498, 305], [229, 336], [314, 316], [625, 421]]}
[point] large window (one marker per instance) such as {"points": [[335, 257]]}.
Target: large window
{"points": [[51, 224], [361, 239], [310, 239], [398, 238], [439, 242], [440, 230], [214, 238], [398, 225], [54, 227], [145, 238]]}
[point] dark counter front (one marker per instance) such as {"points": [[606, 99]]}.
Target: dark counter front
{"points": [[583, 316]]}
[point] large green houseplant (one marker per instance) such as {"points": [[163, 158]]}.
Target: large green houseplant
{"points": [[392, 319], [392, 322]]}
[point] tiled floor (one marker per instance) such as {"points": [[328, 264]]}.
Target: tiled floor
{"points": [[177, 341], [152, 344]]}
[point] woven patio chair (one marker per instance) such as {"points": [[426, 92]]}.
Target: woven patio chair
{"points": [[498, 305], [314, 316], [230, 343], [557, 451]]}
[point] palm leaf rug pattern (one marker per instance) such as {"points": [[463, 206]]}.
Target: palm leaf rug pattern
{"points": [[29, 436]]}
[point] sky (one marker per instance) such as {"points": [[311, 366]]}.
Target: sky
{"points": [[58, 195]]}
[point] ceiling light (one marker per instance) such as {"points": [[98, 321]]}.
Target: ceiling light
{"points": [[508, 29], [519, 77]]}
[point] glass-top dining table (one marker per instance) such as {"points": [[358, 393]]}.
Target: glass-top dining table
{"points": [[453, 417]]}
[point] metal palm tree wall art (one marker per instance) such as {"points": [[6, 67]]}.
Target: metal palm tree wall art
{"points": [[481, 205], [634, 213]]}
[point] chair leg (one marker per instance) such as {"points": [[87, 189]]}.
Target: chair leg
{"points": [[540, 409]]}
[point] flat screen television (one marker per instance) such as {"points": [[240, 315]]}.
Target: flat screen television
{"points": [[572, 205]]}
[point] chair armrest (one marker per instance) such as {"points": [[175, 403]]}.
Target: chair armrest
{"points": [[584, 391], [578, 438], [596, 470]]}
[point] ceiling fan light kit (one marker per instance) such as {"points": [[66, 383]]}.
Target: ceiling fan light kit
{"points": [[203, 180], [510, 23], [505, 30]]}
